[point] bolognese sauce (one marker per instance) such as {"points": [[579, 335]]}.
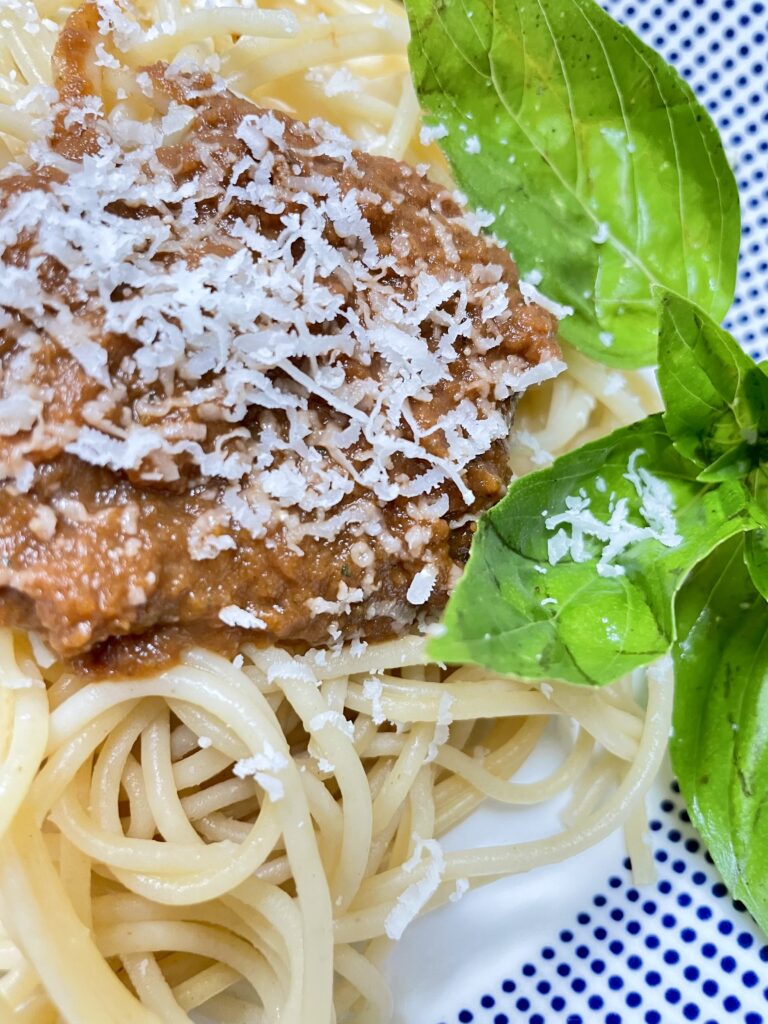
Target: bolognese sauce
{"points": [[253, 382]]}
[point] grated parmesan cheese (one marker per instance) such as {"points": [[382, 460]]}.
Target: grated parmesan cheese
{"points": [[442, 727], [233, 615], [244, 317], [341, 81], [539, 456], [357, 648], [265, 769], [372, 690], [421, 586], [616, 535], [431, 133], [291, 668], [335, 719], [614, 384], [462, 886], [531, 294], [412, 901]]}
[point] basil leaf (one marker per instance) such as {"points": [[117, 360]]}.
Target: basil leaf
{"points": [[719, 749], [717, 411], [590, 617], [756, 554], [756, 544], [716, 397], [604, 173]]}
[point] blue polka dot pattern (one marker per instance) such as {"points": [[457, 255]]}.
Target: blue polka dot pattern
{"points": [[676, 952], [721, 48]]}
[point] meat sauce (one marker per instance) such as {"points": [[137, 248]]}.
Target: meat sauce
{"points": [[318, 477]]}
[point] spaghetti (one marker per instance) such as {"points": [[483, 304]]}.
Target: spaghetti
{"points": [[245, 837]]}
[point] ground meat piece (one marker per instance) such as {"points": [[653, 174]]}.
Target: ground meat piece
{"points": [[252, 382]]}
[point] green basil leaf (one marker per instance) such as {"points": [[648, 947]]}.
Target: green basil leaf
{"points": [[756, 390], [756, 544], [590, 617], [716, 397], [604, 173], [718, 747], [733, 464], [756, 553]]}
